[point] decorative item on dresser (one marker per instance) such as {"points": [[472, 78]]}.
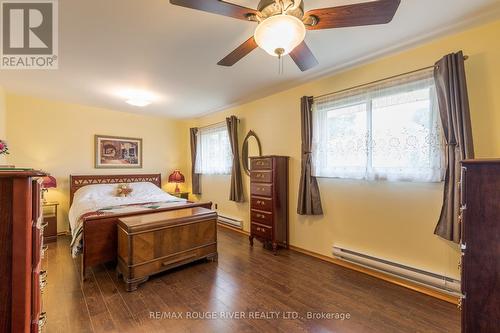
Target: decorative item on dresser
{"points": [[150, 244], [251, 147], [269, 200], [21, 246], [480, 265], [50, 221]]}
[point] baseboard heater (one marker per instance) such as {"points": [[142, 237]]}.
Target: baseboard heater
{"points": [[435, 281], [230, 221]]}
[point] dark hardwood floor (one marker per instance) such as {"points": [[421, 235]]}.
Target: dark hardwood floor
{"points": [[246, 280]]}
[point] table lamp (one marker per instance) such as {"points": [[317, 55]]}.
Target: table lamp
{"points": [[48, 182], [176, 177]]}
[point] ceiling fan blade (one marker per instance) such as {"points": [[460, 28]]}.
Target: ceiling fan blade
{"points": [[238, 54], [303, 57], [217, 7], [367, 13]]}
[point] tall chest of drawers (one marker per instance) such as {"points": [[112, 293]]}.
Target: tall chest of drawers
{"points": [[269, 200], [480, 245], [21, 246]]}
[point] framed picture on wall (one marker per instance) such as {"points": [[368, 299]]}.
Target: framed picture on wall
{"points": [[114, 152]]}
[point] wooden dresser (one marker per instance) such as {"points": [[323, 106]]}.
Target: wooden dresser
{"points": [[480, 210], [21, 245], [269, 200]]}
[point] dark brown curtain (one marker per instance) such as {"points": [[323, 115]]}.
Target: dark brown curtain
{"points": [[236, 193], [195, 177], [309, 197], [451, 87]]}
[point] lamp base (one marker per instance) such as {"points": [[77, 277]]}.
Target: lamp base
{"points": [[177, 189]]}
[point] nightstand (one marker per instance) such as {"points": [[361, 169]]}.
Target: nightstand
{"points": [[50, 217], [182, 195]]}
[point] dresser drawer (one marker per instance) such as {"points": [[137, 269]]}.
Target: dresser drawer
{"points": [[261, 176], [261, 203], [36, 238], [172, 261], [261, 164], [35, 294], [261, 231], [261, 217], [265, 190]]}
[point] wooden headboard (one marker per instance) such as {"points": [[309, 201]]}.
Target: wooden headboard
{"points": [[77, 182]]}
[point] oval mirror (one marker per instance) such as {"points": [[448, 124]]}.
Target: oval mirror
{"points": [[251, 148]]}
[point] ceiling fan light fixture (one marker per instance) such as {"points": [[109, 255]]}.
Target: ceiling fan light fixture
{"points": [[278, 35]]}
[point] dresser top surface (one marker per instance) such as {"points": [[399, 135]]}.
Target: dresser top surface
{"points": [[268, 156], [482, 161], [21, 173]]}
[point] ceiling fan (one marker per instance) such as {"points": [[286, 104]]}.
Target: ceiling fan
{"points": [[282, 24]]}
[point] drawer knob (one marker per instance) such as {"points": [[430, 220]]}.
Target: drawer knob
{"points": [[42, 286], [260, 163], [42, 320], [43, 250]]}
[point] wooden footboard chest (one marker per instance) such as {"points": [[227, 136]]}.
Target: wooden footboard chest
{"points": [[152, 243]]}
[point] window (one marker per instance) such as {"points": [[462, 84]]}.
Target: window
{"points": [[388, 131], [213, 154]]}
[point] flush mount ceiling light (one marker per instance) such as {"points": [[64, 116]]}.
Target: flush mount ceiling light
{"points": [[139, 98], [283, 23], [138, 102]]}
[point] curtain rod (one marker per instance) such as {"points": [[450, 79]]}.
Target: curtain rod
{"points": [[382, 80], [217, 123]]}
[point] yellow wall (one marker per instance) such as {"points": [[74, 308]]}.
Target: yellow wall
{"points": [[389, 220], [3, 129], [59, 138]]}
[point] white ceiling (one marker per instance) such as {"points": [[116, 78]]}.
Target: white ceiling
{"points": [[109, 45]]}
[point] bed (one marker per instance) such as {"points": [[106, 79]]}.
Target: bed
{"points": [[95, 210]]}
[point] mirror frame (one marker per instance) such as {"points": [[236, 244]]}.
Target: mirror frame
{"points": [[244, 150]]}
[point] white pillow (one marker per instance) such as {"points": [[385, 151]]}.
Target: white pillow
{"points": [[144, 189], [93, 192]]}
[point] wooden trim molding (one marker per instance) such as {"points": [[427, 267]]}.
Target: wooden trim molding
{"points": [[386, 277], [240, 231]]}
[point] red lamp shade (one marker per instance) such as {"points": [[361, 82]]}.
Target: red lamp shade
{"points": [[176, 177], [49, 182]]}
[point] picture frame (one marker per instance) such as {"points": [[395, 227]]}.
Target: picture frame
{"points": [[116, 152]]}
